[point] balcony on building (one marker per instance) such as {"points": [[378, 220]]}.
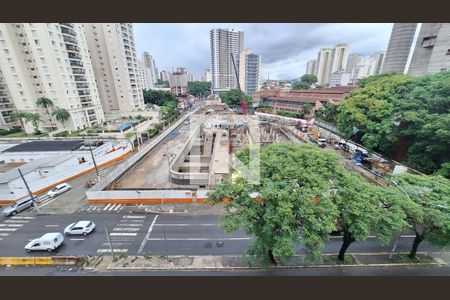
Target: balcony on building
{"points": [[78, 71], [76, 63], [73, 55], [72, 48], [79, 78], [68, 31], [66, 25], [83, 93], [69, 39], [82, 85]]}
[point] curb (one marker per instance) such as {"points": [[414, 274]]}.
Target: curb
{"points": [[271, 268], [38, 261]]}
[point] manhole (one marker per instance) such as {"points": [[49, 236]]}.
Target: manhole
{"points": [[219, 244], [208, 245]]}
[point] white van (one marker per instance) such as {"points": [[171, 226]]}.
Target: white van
{"points": [[49, 241]]}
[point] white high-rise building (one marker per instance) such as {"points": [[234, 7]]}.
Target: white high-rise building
{"points": [[365, 66], [353, 60], [50, 60], [311, 67], [164, 75], [324, 64], [145, 77], [151, 66], [6, 106], [340, 57], [115, 63], [224, 44], [206, 75], [249, 68]]}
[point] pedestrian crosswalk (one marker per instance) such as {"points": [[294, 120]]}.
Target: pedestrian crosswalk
{"points": [[12, 224], [105, 208], [123, 235]]}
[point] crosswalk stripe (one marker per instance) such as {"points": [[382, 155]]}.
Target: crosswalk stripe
{"points": [[107, 206], [126, 229], [124, 233], [109, 250], [133, 217], [28, 218], [117, 208], [89, 208], [8, 229], [111, 208], [1, 239], [128, 224], [11, 225], [4, 234], [132, 221], [16, 221], [116, 244]]}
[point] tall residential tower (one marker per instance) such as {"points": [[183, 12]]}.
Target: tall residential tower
{"points": [[224, 43]]}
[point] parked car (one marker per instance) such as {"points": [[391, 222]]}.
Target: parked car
{"points": [[322, 143], [59, 189], [49, 241], [19, 206], [80, 227]]}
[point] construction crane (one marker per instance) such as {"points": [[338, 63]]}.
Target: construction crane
{"points": [[243, 106]]}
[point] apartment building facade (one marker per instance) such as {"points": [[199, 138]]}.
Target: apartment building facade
{"points": [[6, 106], [224, 44], [115, 64], [50, 60], [249, 70]]}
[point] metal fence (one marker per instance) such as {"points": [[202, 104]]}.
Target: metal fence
{"points": [[129, 162]]}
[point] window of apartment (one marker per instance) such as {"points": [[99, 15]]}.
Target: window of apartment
{"points": [[45, 68], [58, 60], [13, 69], [448, 52], [6, 51], [36, 42], [429, 41], [34, 33], [10, 60], [42, 60], [39, 50], [3, 43], [53, 43], [47, 76]]}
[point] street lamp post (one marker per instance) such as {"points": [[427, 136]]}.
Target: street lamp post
{"points": [[95, 163]]}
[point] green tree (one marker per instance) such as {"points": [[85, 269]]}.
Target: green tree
{"points": [[35, 119], [309, 78], [300, 85], [428, 208], [392, 112], [294, 201], [46, 104], [365, 208], [158, 97], [307, 108], [62, 115], [329, 113], [19, 116], [199, 88], [233, 97]]}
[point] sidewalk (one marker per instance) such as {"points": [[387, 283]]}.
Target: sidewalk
{"points": [[229, 262]]}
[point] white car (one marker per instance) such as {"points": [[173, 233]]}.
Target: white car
{"points": [[49, 241], [59, 189], [80, 227]]}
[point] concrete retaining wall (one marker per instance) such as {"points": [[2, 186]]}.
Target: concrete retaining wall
{"points": [[147, 197], [38, 261]]}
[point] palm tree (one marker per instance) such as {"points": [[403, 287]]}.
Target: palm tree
{"points": [[19, 116], [35, 119], [62, 115], [46, 104]]}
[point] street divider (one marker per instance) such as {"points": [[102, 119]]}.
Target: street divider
{"points": [[38, 261]]}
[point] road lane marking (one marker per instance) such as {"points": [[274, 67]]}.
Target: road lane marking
{"points": [[141, 248], [118, 244], [8, 229], [126, 229], [123, 234], [174, 224], [48, 202], [130, 225], [51, 225], [16, 221], [199, 239], [4, 234], [109, 250], [132, 221], [107, 206], [111, 208], [11, 225], [77, 239], [28, 218], [133, 217], [117, 208]]}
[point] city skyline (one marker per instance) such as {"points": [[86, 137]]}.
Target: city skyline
{"points": [[284, 55]]}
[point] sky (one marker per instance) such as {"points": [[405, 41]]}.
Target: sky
{"points": [[285, 48]]}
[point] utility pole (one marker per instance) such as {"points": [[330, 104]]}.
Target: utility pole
{"points": [[109, 242], [28, 189], [95, 164]]}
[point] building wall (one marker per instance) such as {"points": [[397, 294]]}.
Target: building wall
{"points": [[431, 52], [113, 54], [399, 47], [339, 78], [311, 67], [50, 60], [6, 106], [206, 75], [224, 43], [340, 58], [324, 63]]}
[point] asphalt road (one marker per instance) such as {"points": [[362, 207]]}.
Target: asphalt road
{"points": [[135, 234], [336, 271]]}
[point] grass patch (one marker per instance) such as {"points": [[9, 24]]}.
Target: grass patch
{"points": [[333, 260], [405, 259]]}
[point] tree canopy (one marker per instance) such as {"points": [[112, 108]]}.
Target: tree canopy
{"points": [[393, 112], [428, 208], [303, 195], [158, 97], [305, 82], [199, 88], [234, 96]]}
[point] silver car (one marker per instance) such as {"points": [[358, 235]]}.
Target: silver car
{"points": [[17, 207]]}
